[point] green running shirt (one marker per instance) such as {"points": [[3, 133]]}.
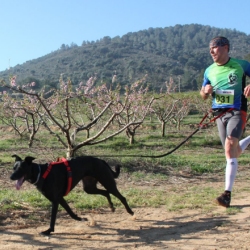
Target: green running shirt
{"points": [[228, 82]]}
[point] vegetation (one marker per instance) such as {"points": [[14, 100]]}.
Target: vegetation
{"points": [[120, 122], [200, 155], [180, 52]]}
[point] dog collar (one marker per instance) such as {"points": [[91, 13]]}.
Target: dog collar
{"points": [[38, 177]]}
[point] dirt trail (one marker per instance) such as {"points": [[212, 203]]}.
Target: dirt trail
{"points": [[153, 228]]}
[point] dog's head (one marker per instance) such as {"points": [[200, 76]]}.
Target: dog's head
{"points": [[22, 170]]}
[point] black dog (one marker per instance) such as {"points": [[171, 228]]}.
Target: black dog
{"points": [[56, 181]]}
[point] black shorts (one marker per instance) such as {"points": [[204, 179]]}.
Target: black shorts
{"points": [[230, 123]]}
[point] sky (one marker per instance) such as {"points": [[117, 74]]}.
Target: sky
{"points": [[30, 29]]}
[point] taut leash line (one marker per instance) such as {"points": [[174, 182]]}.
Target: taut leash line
{"points": [[200, 125]]}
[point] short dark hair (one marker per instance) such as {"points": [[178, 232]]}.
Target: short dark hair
{"points": [[219, 41]]}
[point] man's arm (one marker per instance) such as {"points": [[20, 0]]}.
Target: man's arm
{"points": [[204, 93]]}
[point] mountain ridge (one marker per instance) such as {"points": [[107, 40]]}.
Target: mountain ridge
{"points": [[180, 52]]}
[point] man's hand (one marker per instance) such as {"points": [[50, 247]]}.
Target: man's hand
{"points": [[206, 91], [247, 91]]}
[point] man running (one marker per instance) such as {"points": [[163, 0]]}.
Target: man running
{"points": [[225, 82]]}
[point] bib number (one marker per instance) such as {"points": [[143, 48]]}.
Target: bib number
{"points": [[224, 97]]}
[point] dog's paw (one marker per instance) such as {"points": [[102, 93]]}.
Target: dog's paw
{"points": [[78, 218], [47, 232], [75, 217]]}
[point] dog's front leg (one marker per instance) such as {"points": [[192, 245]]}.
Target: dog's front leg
{"points": [[52, 219], [65, 205]]}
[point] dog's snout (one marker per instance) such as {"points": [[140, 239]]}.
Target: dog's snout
{"points": [[14, 176]]}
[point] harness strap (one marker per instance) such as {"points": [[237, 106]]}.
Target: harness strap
{"points": [[69, 173], [66, 163], [47, 171], [215, 118]]}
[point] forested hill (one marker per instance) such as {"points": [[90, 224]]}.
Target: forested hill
{"points": [[180, 51]]}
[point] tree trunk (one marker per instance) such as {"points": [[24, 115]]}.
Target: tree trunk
{"points": [[163, 129], [132, 139]]}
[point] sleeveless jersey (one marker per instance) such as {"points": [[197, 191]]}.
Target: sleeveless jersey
{"points": [[228, 82]]}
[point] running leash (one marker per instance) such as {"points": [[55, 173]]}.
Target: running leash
{"points": [[200, 126]]}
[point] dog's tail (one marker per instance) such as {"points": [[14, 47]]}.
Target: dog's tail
{"points": [[117, 171]]}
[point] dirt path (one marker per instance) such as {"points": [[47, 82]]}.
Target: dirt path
{"points": [[153, 228]]}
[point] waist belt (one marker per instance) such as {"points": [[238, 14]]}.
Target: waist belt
{"points": [[221, 111]]}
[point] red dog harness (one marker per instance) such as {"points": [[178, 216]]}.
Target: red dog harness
{"points": [[66, 163]]}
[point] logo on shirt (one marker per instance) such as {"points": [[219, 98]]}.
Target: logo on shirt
{"points": [[232, 79]]}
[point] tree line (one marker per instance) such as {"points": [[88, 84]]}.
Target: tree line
{"points": [[180, 52]]}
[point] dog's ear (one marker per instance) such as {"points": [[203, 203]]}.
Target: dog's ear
{"points": [[17, 157], [29, 159]]}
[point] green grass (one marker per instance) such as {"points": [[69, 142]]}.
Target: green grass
{"points": [[201, 154], [233, 210], [154, 197], [13, 199]]}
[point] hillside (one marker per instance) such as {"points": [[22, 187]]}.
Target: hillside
{"points": [[180, 51]]}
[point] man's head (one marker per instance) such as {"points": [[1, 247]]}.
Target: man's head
{"points": [[219, 41], [219, 48]]}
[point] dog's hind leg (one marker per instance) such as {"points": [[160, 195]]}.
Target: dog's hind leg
{"points": [[111, 188], [114, 191], [123, 200], [89, 186], [65, 205], [103, 193]]}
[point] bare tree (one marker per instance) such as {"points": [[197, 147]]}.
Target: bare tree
{"points": [[66, 112], [170, 110], [136, 107], [21, 117]]}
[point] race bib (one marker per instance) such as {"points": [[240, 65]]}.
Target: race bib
{"points": [[224, 97]]}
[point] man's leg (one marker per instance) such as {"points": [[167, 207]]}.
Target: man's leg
{"points": [[244, 143], [231, 170], [233, 126]]}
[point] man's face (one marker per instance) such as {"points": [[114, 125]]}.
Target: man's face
{"points": [[219, 54]]}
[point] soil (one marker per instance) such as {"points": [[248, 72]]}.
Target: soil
{"points": [[150, 228]]}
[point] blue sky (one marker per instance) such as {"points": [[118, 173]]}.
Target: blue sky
{"points": [[33, 28]]}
